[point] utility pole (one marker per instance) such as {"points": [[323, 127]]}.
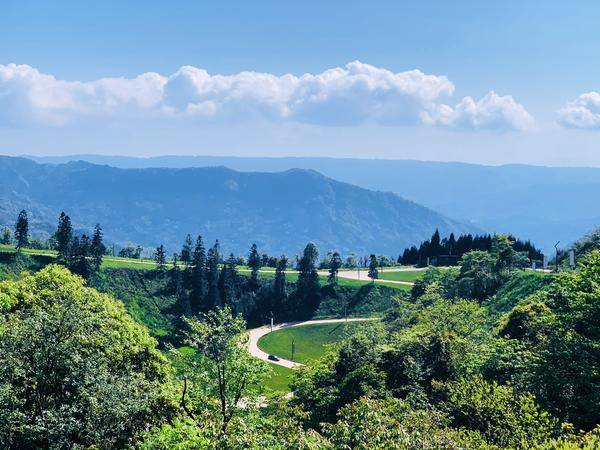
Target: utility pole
{"points": [[271, 321], [556, 254], [293, 348]]}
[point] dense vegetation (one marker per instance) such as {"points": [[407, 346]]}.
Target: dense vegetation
{"points": [[483, 355], [449, 251]]}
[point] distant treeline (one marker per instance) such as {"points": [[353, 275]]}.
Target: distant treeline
{"points": [[448, 251]]}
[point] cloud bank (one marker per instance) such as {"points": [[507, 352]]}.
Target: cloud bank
{"points": [[352, 95], [583, 112]]}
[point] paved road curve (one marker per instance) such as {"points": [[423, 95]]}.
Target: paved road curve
{"points": [[256, 333]]}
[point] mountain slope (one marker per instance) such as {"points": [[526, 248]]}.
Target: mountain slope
{"points": [[544, 204], [278, 211]]}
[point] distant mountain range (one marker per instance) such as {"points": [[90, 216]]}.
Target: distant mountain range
{"points": [[280, 212], [544, 204]]}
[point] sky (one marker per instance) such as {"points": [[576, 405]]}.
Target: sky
{"points": [[508, 82]]}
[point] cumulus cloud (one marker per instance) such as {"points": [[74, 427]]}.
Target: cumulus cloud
{"points": [[490, 112], [343, 96], [583, 112], [27, 95]]}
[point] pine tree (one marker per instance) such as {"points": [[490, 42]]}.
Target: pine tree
{"points": [[80, 263], [279, 286], [22, 231], [334, 267], [186, 251], [254, 263], [97, 248], [199, 284], [183, 303], [63, 237], [373, 272], [212, 272], [451, 244], [228, 282], [160, 257], [307, 287]]}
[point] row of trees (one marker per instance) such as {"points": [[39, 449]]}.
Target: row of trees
{"points": [[448, 251], [203, 280], [81, 254]]}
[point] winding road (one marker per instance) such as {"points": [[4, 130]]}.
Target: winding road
{"points": [[255, 334]]}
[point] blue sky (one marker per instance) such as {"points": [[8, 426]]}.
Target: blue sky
{"points": [[530, 72]]}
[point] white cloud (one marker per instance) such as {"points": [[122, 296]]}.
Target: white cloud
{"points": [[493, 112], [583, 112], [343, 96]]}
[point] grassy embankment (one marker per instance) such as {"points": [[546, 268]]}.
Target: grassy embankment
{"points": [[311, 343]]}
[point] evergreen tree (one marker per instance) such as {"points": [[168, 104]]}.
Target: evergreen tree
{"points": [[451, 245], [212, 275], [307, 287], [199, 283], [22, 230], [183, 303], [254, 263], [228, 282], [279, 286], [6, 238], [334, 267], [160, 257], [80, 263], [373, 272], [63, 237], [97, 248], [186, 251]]}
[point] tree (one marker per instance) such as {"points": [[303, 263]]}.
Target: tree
{"points": [[22, 231], [254, 263], [199, 283], [232, 373], [160, 257], [75, 368], [228, 283], [80, 263], [63, 237], [373, 272], [186, 251], [307, 287], [176, 282], [279, 287], [212, 272], [97, 248], [478, 278], [334, 267], [504, 418], [131, 251], [6, 238]]}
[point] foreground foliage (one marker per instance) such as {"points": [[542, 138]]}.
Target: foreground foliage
{"points": [[74, 367]]}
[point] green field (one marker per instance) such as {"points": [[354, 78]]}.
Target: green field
{"points": [[293, 277], [404, 275], [280, 379], [311, 341]]}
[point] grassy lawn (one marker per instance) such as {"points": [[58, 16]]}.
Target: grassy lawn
{"points": [[310, 340], [311, 344], [116, 263], [293, 277], [280, 379], [404, 275]]}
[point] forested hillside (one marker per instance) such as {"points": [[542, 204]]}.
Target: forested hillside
{"points": [[278, 211], [543, 204], [481, 356]]}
